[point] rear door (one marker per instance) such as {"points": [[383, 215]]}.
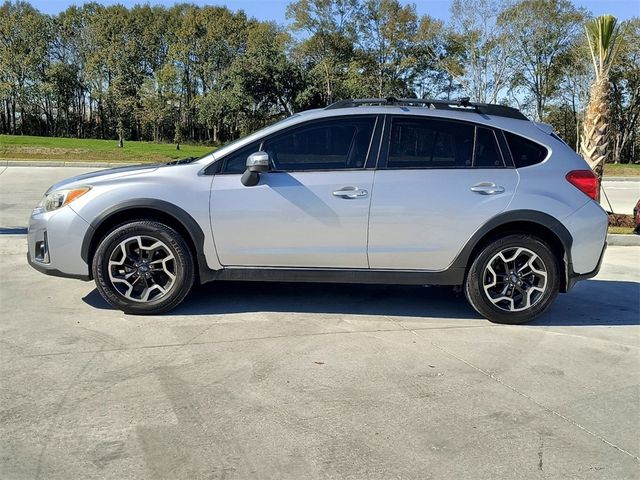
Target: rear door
{"points": [[438, 182], [310, 210]]}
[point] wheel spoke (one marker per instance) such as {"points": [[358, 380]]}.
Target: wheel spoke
{"points": [[149, 276], [515, 279]]}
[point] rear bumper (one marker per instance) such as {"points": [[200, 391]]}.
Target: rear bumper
{"points": [[573, 277], [588, 229]]}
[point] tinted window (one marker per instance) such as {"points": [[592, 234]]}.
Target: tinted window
{"points": [[236, 161], [429, 143], [486, 154], [326, 145], [524, 152]]}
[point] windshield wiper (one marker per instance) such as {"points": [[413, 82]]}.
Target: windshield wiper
{"points": [[181, 161]]}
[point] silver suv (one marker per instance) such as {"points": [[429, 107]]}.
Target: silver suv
{"points": [[380, 191]]}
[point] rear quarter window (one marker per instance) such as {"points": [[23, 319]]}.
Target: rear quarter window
{"points": [[525, 152]]}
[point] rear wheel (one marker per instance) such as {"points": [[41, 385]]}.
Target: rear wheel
{"points": [[143, 267], [513, 279]]}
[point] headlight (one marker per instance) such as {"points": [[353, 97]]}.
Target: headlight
{"points": [[59, 198]]}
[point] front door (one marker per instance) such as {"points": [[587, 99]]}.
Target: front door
{"points": [[310, 210]]}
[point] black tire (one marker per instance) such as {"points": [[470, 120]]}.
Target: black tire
{"points": [[478, 275], [181, 266]]}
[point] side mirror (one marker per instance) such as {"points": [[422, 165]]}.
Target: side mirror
{"points": [[257, 163]]}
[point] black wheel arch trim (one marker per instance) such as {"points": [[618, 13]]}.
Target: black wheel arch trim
{"points": [[529, 216], [164, 208]]}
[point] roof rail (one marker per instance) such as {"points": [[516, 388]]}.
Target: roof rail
{"points": [[463, 104]]}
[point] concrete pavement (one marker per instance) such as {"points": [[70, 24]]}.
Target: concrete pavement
{"points": [[312, 381], [288, 381]]}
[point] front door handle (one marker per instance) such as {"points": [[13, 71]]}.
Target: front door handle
{"points": [[487, 188], [350, 192]]}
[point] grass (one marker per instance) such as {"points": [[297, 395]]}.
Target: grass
{"points": [[622, 169], [24, 147], [621, 230]]}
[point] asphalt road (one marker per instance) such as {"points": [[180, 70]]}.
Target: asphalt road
{"points": [[622, 195], [311, 381]]}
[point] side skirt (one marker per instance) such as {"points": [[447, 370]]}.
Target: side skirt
{"points": [[452, 276]]}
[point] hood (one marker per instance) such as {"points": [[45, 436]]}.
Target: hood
{"points": [[114, 173]]}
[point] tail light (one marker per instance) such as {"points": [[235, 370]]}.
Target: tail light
{"points": [[585, 181]]}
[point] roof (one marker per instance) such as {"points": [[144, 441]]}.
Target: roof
{"points": [[495, 116], [460, 105]]}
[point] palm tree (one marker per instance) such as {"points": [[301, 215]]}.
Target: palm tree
{"points": [[604, 37]]}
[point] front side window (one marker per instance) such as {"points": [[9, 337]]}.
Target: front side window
{"points": [[325, 145], [236, 161], [430, 143]]}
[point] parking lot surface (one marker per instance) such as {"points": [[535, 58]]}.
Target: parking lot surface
{"points": [[310, 381]]}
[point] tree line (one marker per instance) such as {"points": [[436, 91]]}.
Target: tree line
{"points": [[210, 74]]}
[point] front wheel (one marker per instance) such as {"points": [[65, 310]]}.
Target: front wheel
{"points": [[513, 279], [143, 267]]}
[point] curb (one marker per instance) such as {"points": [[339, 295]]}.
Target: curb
{"points": [[621, 179], [621, 240]]}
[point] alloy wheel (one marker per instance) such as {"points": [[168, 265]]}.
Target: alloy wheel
{"points": [[142, 268], [515, 279]]}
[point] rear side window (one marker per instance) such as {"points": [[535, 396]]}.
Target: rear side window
{"points": [[430, 143], [487, 154], [436, 143], [525, 152]]}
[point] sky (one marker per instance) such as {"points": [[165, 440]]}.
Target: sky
{"points": [[275, 9]]}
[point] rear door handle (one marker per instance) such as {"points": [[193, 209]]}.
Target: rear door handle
{"points": [[487, 188], [350, 192]]}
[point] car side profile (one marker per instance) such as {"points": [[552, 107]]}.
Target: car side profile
{"points": [[386, 191]]}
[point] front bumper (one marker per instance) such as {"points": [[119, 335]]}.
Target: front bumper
{"points": [[54, 241], [48, 270]]}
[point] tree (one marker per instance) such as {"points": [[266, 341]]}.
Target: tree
{"points": [[433, 51], [543, 34], [208, 74], [265, 73], [326, 53], [625, 94], [25, 36], [387, 55], [571, 97], [477, 49], [604, 38]]}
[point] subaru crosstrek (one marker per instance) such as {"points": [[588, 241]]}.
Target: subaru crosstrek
{"points": [[386, 191]]}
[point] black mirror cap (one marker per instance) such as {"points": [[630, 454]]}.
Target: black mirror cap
{"points": [[249, 178]]}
